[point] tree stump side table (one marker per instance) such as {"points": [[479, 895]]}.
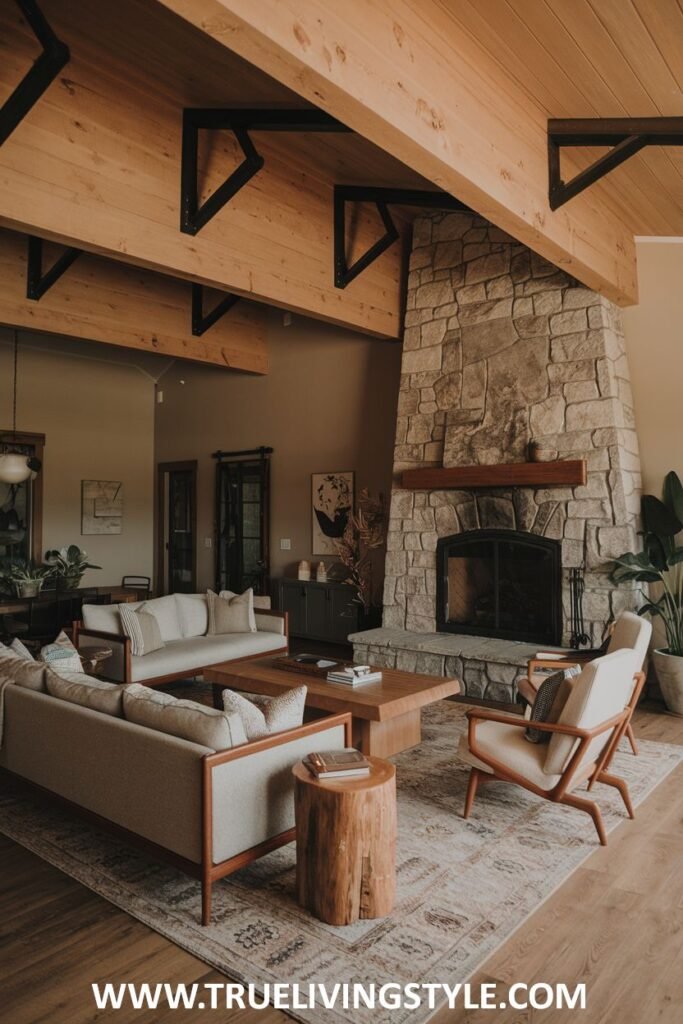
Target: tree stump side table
{"points": [[346, 844]]}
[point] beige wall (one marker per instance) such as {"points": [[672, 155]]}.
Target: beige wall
{"points": [[98, 418], [328, 403], [654, 342]]}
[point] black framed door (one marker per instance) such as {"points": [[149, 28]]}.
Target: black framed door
{"points": [[243, 524], [177, 498]]}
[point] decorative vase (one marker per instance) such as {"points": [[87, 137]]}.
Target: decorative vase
{"points": [[304, 571], [29, 588], [321, 573], [669, 668]]}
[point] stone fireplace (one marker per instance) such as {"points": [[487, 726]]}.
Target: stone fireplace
{"points": [[501, 349]]}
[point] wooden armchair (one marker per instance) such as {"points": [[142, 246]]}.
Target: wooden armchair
{"points": [[630, 632], [582, 744]]}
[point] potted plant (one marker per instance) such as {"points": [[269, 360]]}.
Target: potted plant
{"points": [[68, 566], [24, 578], [365, 532], [661, 563]]}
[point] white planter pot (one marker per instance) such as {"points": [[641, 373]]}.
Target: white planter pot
{"points": [[669, 668]]}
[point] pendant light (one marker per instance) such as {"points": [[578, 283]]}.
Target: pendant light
{"points": [[16, 466]]}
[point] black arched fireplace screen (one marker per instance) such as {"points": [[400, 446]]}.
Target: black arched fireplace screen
{"points": [[500, 583]]}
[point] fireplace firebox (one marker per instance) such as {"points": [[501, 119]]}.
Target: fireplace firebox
{"points": [[500, 583]]}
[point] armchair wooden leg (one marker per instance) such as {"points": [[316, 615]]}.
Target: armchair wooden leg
{"points": [[206, 901], [631, 738], [590, 808], [471, 791], [620, 784]]}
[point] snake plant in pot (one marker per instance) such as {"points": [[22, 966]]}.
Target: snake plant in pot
{"points": [[660, 564]]}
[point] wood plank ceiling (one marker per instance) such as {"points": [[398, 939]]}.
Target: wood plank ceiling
{"points": [[597, 58]]}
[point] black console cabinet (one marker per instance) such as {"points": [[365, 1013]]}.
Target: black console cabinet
{"points": [[319, 611]]}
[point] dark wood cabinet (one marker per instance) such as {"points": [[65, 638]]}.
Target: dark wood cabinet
{"points": [[319, 611]]}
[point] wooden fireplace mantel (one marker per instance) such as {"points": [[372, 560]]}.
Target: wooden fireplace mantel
{"points": [[570, 472]]}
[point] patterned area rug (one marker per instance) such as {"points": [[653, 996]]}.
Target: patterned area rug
{"points": [[463, 886]]}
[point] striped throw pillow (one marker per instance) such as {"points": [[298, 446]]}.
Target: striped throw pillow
{"points": [[142, 628]]}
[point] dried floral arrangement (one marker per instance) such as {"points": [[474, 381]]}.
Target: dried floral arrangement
{"points": [[364, 533]]}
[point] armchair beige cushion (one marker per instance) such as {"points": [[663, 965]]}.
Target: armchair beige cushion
{"points": [[602, 691], [507, 744], [631, 631]]}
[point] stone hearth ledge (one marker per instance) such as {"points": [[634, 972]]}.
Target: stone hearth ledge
{"points": [[487, 667]]}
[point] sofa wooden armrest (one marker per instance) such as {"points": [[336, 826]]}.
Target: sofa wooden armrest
{"points": [[116, 640], [211, 870]]}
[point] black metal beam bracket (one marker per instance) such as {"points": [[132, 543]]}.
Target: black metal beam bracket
{"points": [[44, 71], [202, 322], [37, 282], [193, 216], [625, 135], [382, 198]]}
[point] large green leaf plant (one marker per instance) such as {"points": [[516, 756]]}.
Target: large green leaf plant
{"points": [[660, 561]]}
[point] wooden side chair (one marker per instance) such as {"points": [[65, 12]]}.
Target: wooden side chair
{"points": [[142, 584], [629, 632], [582, 744]]}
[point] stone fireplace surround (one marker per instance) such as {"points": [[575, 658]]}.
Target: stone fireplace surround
{"points": [[501, 348]]}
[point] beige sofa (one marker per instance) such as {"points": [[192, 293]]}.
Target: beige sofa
{"points": [[183, 621], [208, 813]]}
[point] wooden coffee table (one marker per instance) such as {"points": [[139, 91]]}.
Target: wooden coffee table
{"points": [[386, 715]]}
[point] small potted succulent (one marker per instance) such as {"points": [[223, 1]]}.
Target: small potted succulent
{"points": [[25, 578], [68, 565]]}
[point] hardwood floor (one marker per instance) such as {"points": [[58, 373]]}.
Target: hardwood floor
{"points": [[616, 924]]}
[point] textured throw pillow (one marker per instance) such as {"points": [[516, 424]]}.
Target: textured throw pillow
{"points": [[231, 614], [262, 716], [550, 699], [184, 718], [30, 674], [21, 650], [254, 602], [143, 629], [88, 692], [61, 655]]}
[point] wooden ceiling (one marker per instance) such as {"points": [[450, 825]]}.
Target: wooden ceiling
{"points": [[597, 58]]}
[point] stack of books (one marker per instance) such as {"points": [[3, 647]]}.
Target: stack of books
{"points": [[337, 764], [353, 675]]}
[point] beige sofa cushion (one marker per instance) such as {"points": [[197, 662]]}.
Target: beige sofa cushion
{"points": [[104, 618], [602, 691], [86, 691], [230, 613], [165, 611], [506, 744], [193, 613], [30, 674], [196, 653], [183, 718], [143, 630]]}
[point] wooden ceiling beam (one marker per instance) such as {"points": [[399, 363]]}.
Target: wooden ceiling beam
{"points": [[414, 82], [119, 304], [96, 164]]}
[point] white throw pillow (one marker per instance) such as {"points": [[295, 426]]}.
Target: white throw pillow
{"points": [[184, 718], [230, 613], [21, 650], [61, 655], [262, 716]]}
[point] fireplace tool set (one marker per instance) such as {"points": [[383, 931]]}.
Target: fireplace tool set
{"points": [[578, 637]]}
